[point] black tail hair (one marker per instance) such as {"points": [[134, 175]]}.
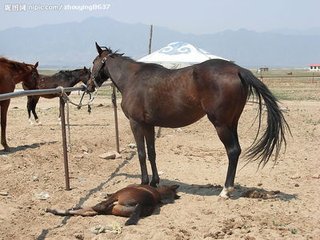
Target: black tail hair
{"points": [[274, 136]]}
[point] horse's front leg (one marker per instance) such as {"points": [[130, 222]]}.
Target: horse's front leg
{"points": [[35, 100], [31, 106], [4, 111], [150, 139], [138, 133]]}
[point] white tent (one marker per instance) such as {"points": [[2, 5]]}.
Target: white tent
{"points": [[178, 54]]}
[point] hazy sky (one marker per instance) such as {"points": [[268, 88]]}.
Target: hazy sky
{"points": [[200, 16]]}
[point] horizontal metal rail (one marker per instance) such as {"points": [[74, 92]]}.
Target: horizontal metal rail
{"points": [[61, 90], [23, 93]]}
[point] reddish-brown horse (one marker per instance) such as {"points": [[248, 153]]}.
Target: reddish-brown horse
{"points": [[11, 73], [61, 78], [156, 96]]}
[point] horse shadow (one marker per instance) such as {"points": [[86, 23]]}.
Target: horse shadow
{"points": [[215, 189], [24, 147]]}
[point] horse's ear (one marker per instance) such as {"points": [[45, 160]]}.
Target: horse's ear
{"points": [[84, 68], [99, 50], [36, 65]]}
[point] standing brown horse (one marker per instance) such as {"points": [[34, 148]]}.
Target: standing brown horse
{"points": [[62, 78], [11, 73], [156, 96]]}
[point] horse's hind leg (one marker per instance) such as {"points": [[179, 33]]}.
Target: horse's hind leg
{"points": [[4, 111], [229, 137], [135, 216], [150, 139], [85, 212], [233, 151]]}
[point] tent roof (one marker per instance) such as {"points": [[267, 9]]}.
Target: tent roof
{"points": [[179, 52]]}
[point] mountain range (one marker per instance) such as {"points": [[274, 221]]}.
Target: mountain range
{"points": [[71, 44]]}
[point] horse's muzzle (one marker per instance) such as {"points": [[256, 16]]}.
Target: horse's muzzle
{"points": [[90, 87]]}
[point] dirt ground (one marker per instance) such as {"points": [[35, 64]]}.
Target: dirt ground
{"points": [[32, 178]]}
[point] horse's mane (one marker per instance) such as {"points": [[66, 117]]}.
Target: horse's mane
{"points": [[62, 73], [116, 53], [14, 65], [65, 73]]}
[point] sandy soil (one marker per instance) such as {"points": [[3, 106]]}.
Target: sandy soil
{"points": [[192, 157]]}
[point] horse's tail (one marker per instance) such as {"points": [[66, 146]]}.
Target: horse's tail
{"points": [[274, 136]]}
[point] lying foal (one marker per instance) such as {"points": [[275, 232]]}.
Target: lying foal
{"points": [[134, 201]]}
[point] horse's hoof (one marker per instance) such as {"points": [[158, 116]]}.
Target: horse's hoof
{"points": [[131, 222], [153, 184], [7, 149], [225, 193], [223, 198], [38, 122]]}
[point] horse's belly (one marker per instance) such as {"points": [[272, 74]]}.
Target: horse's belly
{"points": [[179, 119], [172, 113]]}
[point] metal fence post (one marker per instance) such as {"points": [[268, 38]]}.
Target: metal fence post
{"points": [[64, 143]]}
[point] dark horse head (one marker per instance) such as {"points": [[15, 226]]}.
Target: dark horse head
{"points": [[99, 74], [30, 76], [85, 75]]}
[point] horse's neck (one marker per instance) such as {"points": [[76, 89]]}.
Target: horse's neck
{"points": [[120, 70], [75, 78], [14, 70], [70, 79], [20, 77]]}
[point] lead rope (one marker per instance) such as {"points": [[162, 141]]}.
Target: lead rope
{"points": [[89, 103], [67, 100], [79, 105]]}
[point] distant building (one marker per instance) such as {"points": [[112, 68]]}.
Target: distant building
{"points": [[263, 69], [314, 67]]}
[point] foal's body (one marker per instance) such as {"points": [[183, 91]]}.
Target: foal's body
{"points": [[134, 201], [156, 96], [62, 78]]}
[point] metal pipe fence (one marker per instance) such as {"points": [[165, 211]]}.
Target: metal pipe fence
{"points": [[61, 91]]}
